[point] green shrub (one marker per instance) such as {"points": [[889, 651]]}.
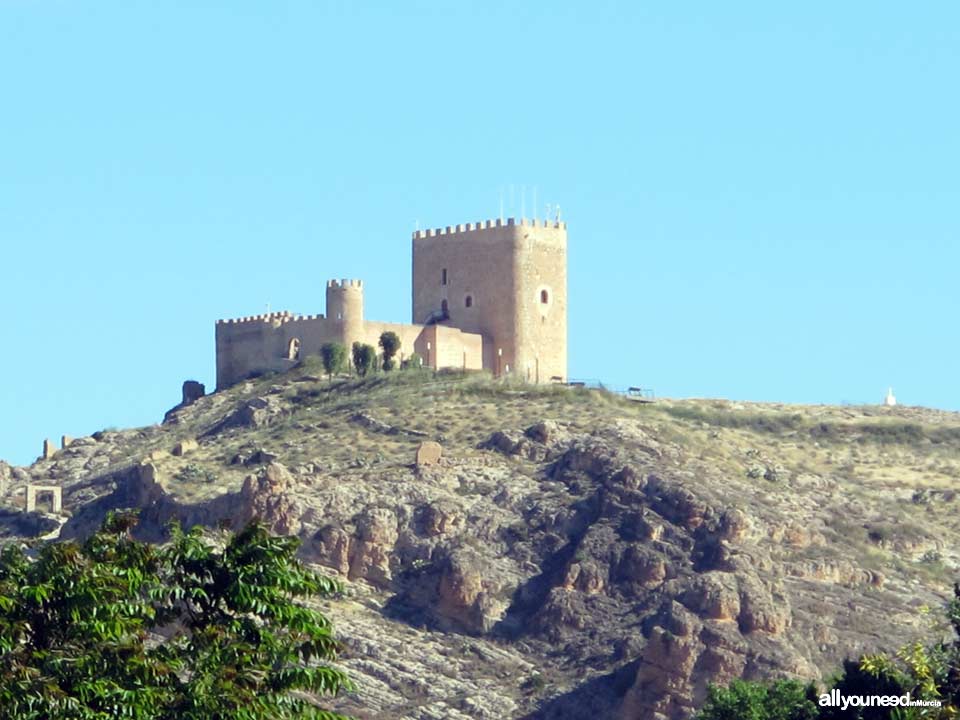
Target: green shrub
{"points": [[743, 700], [363, 358], [390, 342], [193, 473], [334, 356]]}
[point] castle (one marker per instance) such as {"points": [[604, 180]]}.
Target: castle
{"points": [[489, 295]]}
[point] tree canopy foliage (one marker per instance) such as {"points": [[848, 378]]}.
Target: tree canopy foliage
{"points": [[390, 342], [193, 630], [742, 700], [334, 356], [363, 358]]}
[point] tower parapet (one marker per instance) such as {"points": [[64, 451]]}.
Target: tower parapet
{"points": [[489, 225]]}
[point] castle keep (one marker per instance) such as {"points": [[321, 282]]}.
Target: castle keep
{"points": [[487, 295]]}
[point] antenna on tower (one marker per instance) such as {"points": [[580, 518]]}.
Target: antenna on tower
{"points": [[534, 204], [501, 204], [523, 201], [512, 206]]}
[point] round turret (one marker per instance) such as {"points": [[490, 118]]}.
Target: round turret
{"points": [[345, 306]]}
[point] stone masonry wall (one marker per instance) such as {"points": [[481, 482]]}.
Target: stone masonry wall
{"points": [[502, 269]]}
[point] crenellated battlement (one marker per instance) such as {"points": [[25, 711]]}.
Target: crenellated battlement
{"points": [[345, 284], [488, 225], [273, 317]]}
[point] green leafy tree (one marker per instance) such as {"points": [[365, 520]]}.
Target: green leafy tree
{"points": [[926, 672], [857, 679], [390, 342], [363, 357], [334, 356], [745, 700], [237, 638]]}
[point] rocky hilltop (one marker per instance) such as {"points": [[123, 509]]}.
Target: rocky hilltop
{"points": [[571, 553]]}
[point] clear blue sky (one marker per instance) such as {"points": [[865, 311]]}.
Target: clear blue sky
{"points": [[763, 199]]}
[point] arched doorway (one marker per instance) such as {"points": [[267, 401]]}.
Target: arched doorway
{"points": [[293, 349]]}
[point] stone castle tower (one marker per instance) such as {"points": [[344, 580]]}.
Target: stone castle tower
{"points": [[504, 281], [490, 295], [345, 310]]}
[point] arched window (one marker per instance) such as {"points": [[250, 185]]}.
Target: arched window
{"points": [[293, 349], [443, 276], [468, 301], [445, 307], [544, 296]]}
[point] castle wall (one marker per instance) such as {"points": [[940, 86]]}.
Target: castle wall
{"points": [[409, 336], [448, 347], [456, 349], [241, 344], [252, 346], [262, 343], [501, 268]]}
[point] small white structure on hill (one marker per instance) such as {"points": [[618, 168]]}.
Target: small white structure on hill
{"points": [[890, 400]]}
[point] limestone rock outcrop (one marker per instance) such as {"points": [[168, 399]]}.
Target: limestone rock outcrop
{"points": [[190, 393], [185, 446], [267, 497], [254, 413], [6, 475], [467, 592], [428, 453]]}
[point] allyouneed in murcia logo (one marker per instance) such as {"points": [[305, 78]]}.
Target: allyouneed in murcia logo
{"points": [[835, 699]]}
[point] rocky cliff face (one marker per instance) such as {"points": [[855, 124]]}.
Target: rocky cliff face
{"points": [[571, 554]]}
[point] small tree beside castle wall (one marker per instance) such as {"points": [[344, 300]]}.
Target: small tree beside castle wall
{"points": [[334, 356], [390, 342], [363, 357]]}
